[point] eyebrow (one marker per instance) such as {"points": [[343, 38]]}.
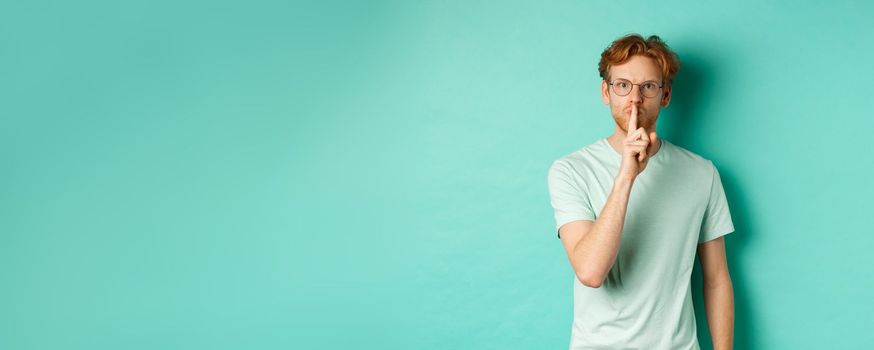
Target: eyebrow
{"points": [[655, 80]]}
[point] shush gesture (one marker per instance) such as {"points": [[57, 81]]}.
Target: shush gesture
{"points": [[613, 221], [635, 147]]}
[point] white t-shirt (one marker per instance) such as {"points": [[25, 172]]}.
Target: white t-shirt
{"points": [[677, 202]]}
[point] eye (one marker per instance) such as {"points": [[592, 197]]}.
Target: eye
{"points": [[622, 84], [649, 85]]}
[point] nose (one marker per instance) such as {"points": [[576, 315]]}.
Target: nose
{"points": [[635, 95]]}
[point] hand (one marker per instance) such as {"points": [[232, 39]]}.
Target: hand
{"points": [[635, 147]]}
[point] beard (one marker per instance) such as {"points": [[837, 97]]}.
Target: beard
{"points": [[644, 120]]}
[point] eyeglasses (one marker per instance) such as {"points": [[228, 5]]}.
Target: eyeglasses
{"points": [[623, 87]]}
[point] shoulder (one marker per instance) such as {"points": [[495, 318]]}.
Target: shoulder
{"points": [[689, 159], [579, 159]]}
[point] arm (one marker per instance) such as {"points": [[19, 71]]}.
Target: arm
{"points": [[592, 246], [718, 293]]}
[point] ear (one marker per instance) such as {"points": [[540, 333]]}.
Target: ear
{"points": [[666, 98], [605, 93]]}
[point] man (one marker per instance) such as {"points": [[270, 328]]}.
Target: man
{"points": [[632, 210]]}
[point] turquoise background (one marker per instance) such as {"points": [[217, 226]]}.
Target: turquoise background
{"points": [[372, 175]]}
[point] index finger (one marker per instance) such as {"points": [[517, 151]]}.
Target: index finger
{"points": [[632, 120]]}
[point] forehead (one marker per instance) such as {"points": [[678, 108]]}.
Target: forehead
{"points": [[637, 68]]}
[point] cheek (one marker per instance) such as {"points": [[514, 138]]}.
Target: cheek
{"points": [[617, 104]]}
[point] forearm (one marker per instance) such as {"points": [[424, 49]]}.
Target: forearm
{"points": [[596, 251], [719, 301]]}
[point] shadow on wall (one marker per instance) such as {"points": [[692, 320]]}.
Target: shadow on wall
{"points": [[692, 87], [695, 85]]}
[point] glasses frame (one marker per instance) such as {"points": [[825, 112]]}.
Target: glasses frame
{"points": [[613, 87]]}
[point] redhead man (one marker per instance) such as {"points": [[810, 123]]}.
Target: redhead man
{"points": [[632, 210]]}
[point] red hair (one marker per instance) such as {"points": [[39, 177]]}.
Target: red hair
{"points": [[622, 49]]}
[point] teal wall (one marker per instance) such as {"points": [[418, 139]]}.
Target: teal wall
{"points": [[372, 175]]}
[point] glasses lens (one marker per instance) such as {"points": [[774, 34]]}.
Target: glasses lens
{"points": [[649, 89], [621, 87]]}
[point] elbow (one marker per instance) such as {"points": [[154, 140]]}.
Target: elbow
{"points": [[720, 283], [590, 280]]}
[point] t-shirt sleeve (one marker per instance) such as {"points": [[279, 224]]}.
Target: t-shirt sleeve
{"points": [[717, 218], [568, 200]]}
